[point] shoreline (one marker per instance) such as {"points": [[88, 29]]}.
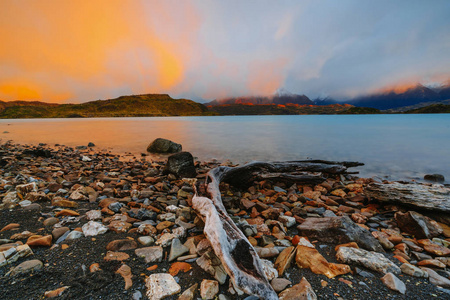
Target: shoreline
{"points": [[138, 192]]}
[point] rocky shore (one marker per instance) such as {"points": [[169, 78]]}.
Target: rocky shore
{"points": [[81, 223]]}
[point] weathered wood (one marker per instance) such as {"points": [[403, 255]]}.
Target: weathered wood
{"points": [[237, 255], [434, 197], [284, 171]]}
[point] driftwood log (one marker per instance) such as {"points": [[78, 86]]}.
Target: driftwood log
{"points": [[434, 197], [237, 255]]}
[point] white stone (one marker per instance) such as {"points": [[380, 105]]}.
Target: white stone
{"points": [[268, 269], [369, 259], [146, 240], [85, 158], [287, 221], [94, 215], [73, 235], [93, 228], [161, 285], [209, 289]]}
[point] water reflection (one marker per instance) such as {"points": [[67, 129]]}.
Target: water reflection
{"points": [[400, 146]]}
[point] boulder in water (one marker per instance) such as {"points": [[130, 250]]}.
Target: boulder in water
{"points": [[161, 145], [181, 164]]}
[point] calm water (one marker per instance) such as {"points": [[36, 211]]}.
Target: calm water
{"points": [[398, 146]]}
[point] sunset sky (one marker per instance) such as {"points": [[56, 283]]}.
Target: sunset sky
{"points": [[77, 51]]}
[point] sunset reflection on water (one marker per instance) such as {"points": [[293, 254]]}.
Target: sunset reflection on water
{"points": [[396, 146]]}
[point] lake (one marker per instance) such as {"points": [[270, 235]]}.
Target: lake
{"points": [[391, 146]]}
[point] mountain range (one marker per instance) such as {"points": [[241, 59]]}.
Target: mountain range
{"points": [[418, 99], [415, 95]]}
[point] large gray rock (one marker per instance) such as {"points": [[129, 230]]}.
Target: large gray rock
{"points": [[181, 164], [369, 259], [420, 226], [338, 230], [163, 146]]}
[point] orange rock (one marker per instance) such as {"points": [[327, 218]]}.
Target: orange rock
{"points": [[64, 203], [348, 282], [402, 247], [295, 240], [10, 227], [151, 268], [94, 267], [311, 258], [284, 259], [64, 246], [55, 293], [339, 193], [66, 212], [107, 211], [437, 250], [120, 256], [401, 259], [351, 245], [177, 267], [431, 263], [125, 272], [39, 240]]}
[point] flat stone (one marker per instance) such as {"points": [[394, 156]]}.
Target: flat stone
{"points": [[413, 270], [10, 226], [279, 284], [338, 230], [437, 279], [369, 259], [125, 272], [119, 256], [73, 235], [146, 240], [161, 285], [393, 283], [209, 289], [93, 228], [310, 258], [58, 232], [94, 215], [27, 267], [150, 254], [267, 252], [284, 260], [39, 240], [121, 245], [211, 264], [189, 294], [177, 249], [50, 221], [300, 291]]}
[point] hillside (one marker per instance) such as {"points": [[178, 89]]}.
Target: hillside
{"points": [[431, 109], [126, 106]]}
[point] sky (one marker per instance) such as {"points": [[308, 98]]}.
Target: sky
{"points": [[76, 51]]}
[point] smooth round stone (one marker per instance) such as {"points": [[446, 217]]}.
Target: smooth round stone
{"points": [[58, 232], [50, 221], [146, 240], [27, 267], [33, 207]]}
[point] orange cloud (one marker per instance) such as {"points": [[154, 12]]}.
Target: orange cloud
{"points": [[83, 45]]}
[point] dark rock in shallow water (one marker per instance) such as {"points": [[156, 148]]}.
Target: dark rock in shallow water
{"points": [[434, 177], [38, 152], [420, 226], [181, 164], [338, 230], [91, 144], [163, 146]]}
